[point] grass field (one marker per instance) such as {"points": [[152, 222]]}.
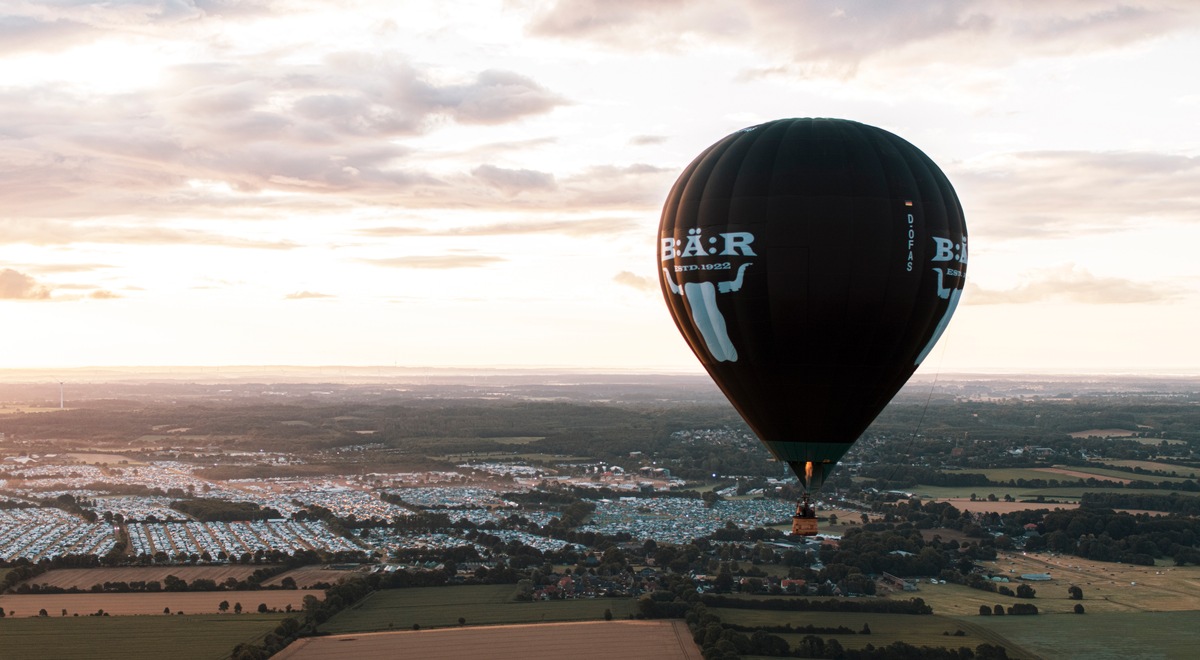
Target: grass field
{"points": [[1102, 472], [190, 602], [515, 440], [200, 637], [1067, 493], [918, 630], [1107, 587], [1182, 471], [431, 607], [1149, 635]]}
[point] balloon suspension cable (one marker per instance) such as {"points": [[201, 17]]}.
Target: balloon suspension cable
{"points": [[921, 420]]}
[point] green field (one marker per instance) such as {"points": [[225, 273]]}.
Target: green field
{"points": [[515, 440], [918, 630], [1181, 470], [1065, 494], [1158, 635], [130, 637], [432, 607]]}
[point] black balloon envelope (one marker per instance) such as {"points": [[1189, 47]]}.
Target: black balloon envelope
{"points": [[811, 265]]}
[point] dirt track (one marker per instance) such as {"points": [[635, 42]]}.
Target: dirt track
{"points": [[589, 640]]}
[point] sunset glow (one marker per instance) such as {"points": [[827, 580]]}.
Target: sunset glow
{"points": [[302, 182]]}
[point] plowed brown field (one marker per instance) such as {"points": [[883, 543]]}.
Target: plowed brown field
{"points": [[589, 640], [84, 578]]}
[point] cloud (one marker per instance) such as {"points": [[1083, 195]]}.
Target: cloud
{"points": [[63, 268], [626, 278], [19, 286], [48, 232], [442, 261], [1063, 193], [646, 140], [306, 295], [250, 133], [577, 228], [55, 26], [513, 182], [1072, 284], [104, 294], [820, 39]]}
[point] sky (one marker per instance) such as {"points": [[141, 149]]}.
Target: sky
{"points": [[471, 184]]}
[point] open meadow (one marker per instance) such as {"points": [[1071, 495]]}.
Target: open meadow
{"points": [[433, 607], [915, 629], [1107, 587], [188, 602], [1108, 636], [131, 637]]}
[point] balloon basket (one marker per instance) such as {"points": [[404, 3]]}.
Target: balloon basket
{"points": [[804, 523]]}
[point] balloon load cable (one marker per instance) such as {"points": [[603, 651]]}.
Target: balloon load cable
{"points": [[928, 397]]}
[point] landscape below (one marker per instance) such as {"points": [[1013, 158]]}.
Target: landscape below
{"points": [[978, 517]]}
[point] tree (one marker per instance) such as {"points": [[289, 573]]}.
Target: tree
{"points": [[998, 610], [984, 610], [1079, 608], [166, 610], [608, 615], [262, 608], [223, 606], [43, 612], [866, 630], [1025, 591], [237, 608], [1075, 592], [462, 621]]}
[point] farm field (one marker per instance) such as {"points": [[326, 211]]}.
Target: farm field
{"points": [[1068, 493], [1102, 472], [1109, 636], [189, 602], [307, 576], [206, 637], [1181, 470], [590, 640], [433, 607], [84, 578], [1107, 587], [918, 630], [1102, 433]]}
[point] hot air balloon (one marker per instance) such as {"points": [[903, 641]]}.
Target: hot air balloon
{"points": [[811, 265]]}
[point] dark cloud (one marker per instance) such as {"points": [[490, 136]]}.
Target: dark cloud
{"points": [[19, 286], [442, 261], [1075, 285], [1062, 193], [626, 278]]}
